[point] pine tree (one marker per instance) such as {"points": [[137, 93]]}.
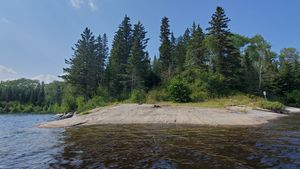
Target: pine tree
{"points": [[165, 50], [82, 70], [118, 61]]}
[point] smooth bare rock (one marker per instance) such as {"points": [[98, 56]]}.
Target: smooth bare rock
{"points": [[147, 114]]}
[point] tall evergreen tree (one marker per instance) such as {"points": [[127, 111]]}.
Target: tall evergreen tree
{"points": [[195, 55], [139, 64], [181, 50], [219, 31], [226, 59], [288, 71], [165, 49], [82, 70], [101, 56], [118, 61]]}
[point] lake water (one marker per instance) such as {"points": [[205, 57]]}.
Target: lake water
{"points": [[22, 145]]}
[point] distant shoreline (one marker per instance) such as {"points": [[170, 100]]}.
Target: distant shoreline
{"points": [[167, 114]]}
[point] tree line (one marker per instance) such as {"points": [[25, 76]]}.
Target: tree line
{"points": [[198, 65]]}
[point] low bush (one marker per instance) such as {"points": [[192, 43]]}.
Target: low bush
{"points": [[179, 91], [138, 96], [157, 95], [274, 106], [293, 98], [95, 102]]}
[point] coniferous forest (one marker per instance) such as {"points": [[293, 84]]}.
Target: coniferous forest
{"points": [[201, 64]]}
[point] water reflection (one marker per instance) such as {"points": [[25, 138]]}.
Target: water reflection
{"points": [[182, 146], [22, 145]]}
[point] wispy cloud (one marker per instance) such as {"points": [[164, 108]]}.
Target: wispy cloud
{"points": [[92, 5], [76, 3], [79, 3], [4, 20], [6, 71], [47, 78], [10, 74]]}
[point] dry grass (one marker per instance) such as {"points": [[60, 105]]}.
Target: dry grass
{"points": [[237, 100]]}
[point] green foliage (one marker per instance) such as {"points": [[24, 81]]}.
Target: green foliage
{"points": [[118, 61], [138, 96], [93, 103], [223, 102], [226, 57], [104, 93], [138, 68], [179, 91], [157, 95], [165, 50], [24, 91], [196, 52], [274, 106], [204, 84], [203, 67], [17, 107], [82, 70], [293, 98], [68, 100], [54, 92]]}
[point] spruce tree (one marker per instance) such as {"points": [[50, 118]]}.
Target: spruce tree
{"points": [[82, 70], [226, 59], [165, 50], [288, 71], [195, 55], [138, 63], [219, 31], [101, 56], [180, 51], [118, 61]]}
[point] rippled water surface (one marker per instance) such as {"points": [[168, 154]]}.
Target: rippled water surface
{"points": [[22, 145]]}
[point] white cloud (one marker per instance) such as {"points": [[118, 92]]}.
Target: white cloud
{"points": [[10, 74], [76, 3], [79, 3], [7, 73], [47, 78]]}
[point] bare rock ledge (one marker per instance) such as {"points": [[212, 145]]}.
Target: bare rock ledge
{"points": [[154, 114]]}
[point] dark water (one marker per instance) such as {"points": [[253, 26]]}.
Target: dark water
{"points": [[276, 145]]}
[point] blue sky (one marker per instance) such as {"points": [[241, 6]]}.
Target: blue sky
{"points": [[36, 36]]}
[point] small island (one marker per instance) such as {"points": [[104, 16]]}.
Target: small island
{"points": [[206, 76], [149, 84]]}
